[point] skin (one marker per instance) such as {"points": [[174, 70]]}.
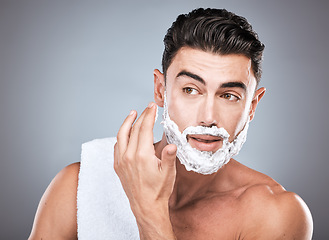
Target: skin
{"points": [[234, 203]]}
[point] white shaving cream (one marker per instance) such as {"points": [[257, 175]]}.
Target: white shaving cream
{"points": [[203, 162]]}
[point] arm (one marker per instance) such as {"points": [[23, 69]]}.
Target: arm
{"points": [[147, 180], [285, 216], [292, 219], [56, 214]]}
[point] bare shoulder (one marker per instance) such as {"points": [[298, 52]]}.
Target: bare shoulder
{"points": [[271, 212], [56, 214]]}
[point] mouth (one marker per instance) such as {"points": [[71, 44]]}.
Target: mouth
{"points": [[207, 143], [205, 138]]}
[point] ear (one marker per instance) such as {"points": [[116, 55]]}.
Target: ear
{"points": [[159, 87], [257, 97]]}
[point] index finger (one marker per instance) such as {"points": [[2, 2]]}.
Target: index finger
{"points": [[124, 131], [145, 136]]}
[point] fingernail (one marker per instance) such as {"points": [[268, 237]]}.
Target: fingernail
{"points": [[151, 104], [131, 112]]}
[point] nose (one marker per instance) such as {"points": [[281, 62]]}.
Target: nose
{"points": [[207, 112]]}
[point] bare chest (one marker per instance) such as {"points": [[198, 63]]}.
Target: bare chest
{"points": [[210, 219]]}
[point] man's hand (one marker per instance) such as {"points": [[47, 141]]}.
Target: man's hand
{"points": [[147, 180]]}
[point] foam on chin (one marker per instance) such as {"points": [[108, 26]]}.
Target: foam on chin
{"points": [[203, 162]]}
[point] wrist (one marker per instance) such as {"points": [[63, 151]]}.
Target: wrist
{"points": [[153, 215], [154, 223]]}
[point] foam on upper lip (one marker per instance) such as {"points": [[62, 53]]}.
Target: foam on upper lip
{"points": [[207, 131]]}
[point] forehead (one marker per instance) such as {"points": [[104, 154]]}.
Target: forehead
{"points": [[213, 68]]}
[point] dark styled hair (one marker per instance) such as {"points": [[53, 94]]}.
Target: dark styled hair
{"points": [[216, 31]]}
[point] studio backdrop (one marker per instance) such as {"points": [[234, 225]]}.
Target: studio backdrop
{"points": [[70, 71]]}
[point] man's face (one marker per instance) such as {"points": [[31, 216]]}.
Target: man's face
{"points": [[209, 89]]}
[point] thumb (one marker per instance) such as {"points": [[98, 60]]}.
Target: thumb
{"points": [[168, 157]]}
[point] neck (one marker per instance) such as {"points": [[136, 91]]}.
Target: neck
{"points": [[189, 186]]}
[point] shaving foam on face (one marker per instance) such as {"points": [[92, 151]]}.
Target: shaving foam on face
{"points": [[203, 162]]}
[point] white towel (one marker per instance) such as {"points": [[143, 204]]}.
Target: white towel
{"points": [[103, 207]]}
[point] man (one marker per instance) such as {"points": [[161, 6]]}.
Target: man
{"points": [[186, 186]]}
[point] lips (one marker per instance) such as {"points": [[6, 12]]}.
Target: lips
{"points": [[207, 143], [205, 138]]}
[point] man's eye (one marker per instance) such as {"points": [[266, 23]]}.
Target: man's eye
{"points": [[230, 97], [189, 90]]}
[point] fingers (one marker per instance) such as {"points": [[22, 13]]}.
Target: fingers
{"points": [[124, 131], [145, 136], [134, 135], [123, 137], [116, 157], [168, 157], [129, 136]]}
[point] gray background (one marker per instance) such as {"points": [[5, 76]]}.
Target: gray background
{"points": [[70, 71]]}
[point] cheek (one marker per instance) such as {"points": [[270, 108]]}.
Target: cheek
{"points": [[182, 114], [234, 119], [231, 123]]}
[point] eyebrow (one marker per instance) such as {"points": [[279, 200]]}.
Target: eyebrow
{"points": [[233, 84], [191, 75]]}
